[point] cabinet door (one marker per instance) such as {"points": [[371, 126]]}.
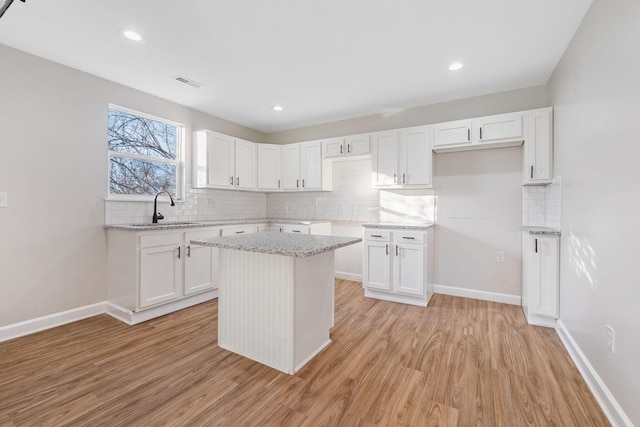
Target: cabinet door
{"points": [[358, 145], [409, 275], [220, 160], [416, 163], [311, 161], [268, 167], [385, 159], [200, 263], [245, 164], [538, 162], [376, 265], [290, 175], [544, 287], [452, 133], [160, 274], [333, 147], [499, 128], [243, 229]]}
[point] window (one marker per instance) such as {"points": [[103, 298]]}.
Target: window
{"points": [[144, 154]]}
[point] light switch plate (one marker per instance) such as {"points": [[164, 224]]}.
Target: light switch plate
{"points": [[3, 199]]}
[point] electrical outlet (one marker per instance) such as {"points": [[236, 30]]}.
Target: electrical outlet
{"points": [[611, 339], [499, 256], [3, 200]]}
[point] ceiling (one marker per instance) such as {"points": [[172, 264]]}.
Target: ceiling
{"points": [[322, 60]]}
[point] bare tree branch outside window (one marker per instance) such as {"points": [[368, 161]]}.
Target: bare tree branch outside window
{"points": [[143, 154]]}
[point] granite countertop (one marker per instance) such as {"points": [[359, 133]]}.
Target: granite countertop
{"points": [[295, 245], [541, 231], [169, 225], [399, 225]]}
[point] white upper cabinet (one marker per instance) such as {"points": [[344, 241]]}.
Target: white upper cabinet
{"points": [[221, 161], [346, 147], [245, 165], [385, 159], [290, 168], [269, 156], [304, 169], [538, 147], [402, 159], [416, 160], [502, 130], [452, 134]]}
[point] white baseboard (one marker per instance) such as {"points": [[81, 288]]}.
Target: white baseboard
{"points": [[476, 294], [348, 276], [38, 324], [608, 403]]}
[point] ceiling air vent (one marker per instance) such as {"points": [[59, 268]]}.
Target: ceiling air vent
{"points": [[183, 79]]}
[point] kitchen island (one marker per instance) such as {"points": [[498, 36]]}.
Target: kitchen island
{"points": [[276, 295]]}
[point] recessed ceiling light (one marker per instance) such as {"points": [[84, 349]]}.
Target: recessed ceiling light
{"points": [[277, 107], [456, 66], [131, 35]]}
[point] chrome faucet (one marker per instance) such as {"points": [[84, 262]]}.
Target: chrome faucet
{"points": [[157, 215]]}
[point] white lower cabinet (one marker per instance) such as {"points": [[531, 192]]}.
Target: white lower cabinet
{"points": [[152, 273], [540, 278], [397, 265]]}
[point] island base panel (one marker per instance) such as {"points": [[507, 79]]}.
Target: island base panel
{"points": [[275, 309]]}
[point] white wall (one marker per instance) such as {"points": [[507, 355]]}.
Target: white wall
{"points": [[53, 164], [478, 212], [596, 94]]}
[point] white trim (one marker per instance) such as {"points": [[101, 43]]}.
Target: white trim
{"points": [[476, 294], [311, 356], [348, 276], [394, 297], [38, 324], [608, 403], [134, 317]]}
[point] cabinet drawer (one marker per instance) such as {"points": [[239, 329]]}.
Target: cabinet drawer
{"points": [[376, 234], [160, 240], [293, 228], [247, 229], [408, 236]]}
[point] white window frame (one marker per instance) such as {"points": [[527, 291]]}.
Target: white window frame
{"points": [[179, 161]]}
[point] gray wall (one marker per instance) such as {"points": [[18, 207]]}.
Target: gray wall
{"points": [[503, 102], [53, 164], [596, 93]]}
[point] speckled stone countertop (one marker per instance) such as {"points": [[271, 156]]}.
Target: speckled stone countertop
{"points": [[541, 231], [400, 225], [170, 225], [295, 245]]}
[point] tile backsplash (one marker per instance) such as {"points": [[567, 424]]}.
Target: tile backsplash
{"points": [[541, 205], [352, 199]]}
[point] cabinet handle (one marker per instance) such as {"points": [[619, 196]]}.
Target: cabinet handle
{"points": [[295, 231], [480, 132], [386, 248], [237, 180], [536, 245], [531, 171], [239, 232], [408, 238], [231, 180], [376, 235], [278, 183], [348, 148], [178, 252], [297, 183], [404, 178], [396, 250], [303, 183], [468, 135], [395, 179], [189, 251], [281, 229], [341, 149]]}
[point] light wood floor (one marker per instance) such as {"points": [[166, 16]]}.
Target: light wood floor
{"points": [[458, 362]]}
